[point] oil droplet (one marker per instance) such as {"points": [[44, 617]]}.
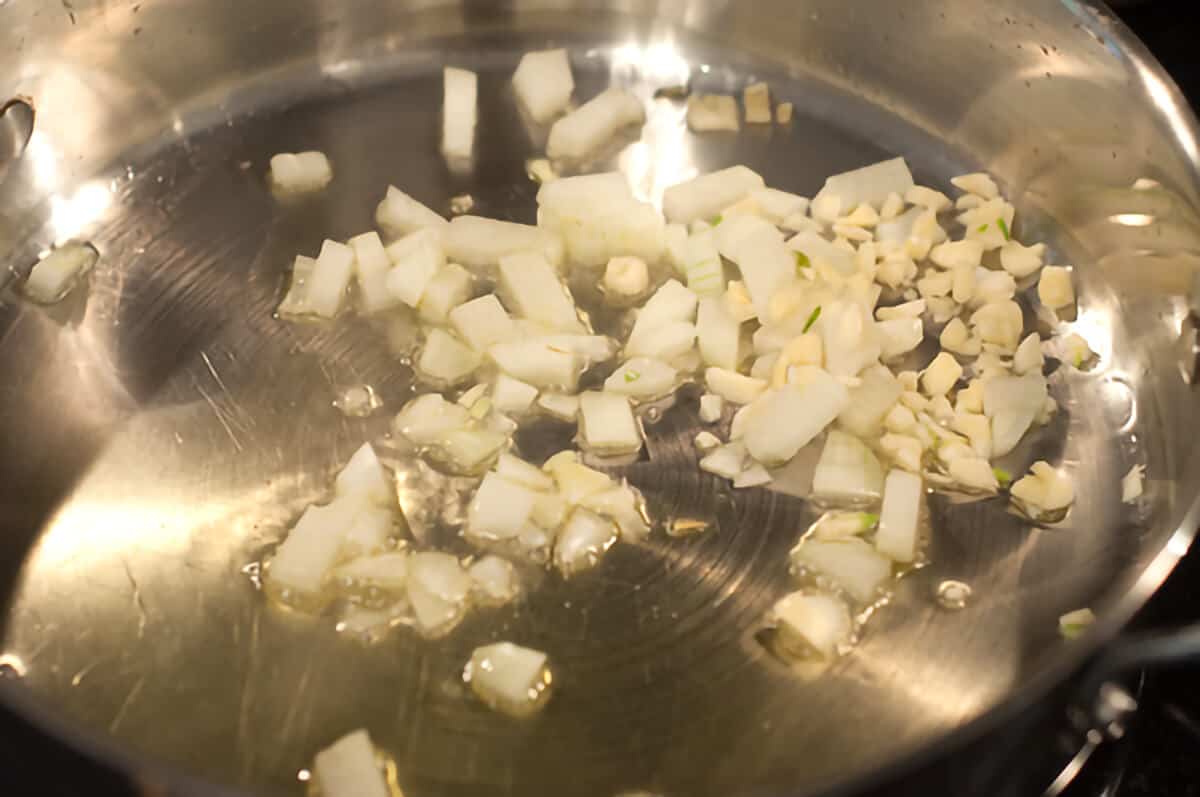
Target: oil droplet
{"points": [[11, 667], [303, 776], [953, 594], [358, 401], [253, 571]]}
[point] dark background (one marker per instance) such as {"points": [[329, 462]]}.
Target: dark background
{"points": [[1160, 755]]}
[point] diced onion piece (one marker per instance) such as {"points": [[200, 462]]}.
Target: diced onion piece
{"points": [[711, 407], [642, 378], [459, 112], [1073, 625], [1045, 494], [897, 536], [704, 197], [840, 525], [543, 83], [398, 214], [778, 205], [607, 424], [1054, 288], [899, 336], [1012, 403], [927, 198], [576, 481], [850, 335], [495, 580], [820, 623], [974, 472], [467, 451], [869, 184], [675, 239], [727, 461], [870, 401], [428, 418], [386, 571], [449, 287], [977, 183], [718, 334], [941, 375], [1132, 484], [851, 564], [415, 259], [348, 768], [538, 364], [822, 253], [584, 539], [438, 589], [626, 276], [365, 476], [311, 548], [296, 301], [785, 420], [53, 277], [710, 112], [518, 471], [847, 469], [500, 509], [904, 450], [480, 243], [371, 267], [1000, 323], [560, 406], [300, 172], [706, 441], [509, 678], [702, 264], [482, 322], [599, 219], [978, 430], [326, 285], [621, 505], [1021, 261], [753, 476], [784, 112], [550, 510], [445, 359], [584, 130], [757, 99], [537, 293], [512, 396], [733, 386], [591, 348]]}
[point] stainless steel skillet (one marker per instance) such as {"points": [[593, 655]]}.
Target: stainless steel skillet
{"points": [[159, 435]]}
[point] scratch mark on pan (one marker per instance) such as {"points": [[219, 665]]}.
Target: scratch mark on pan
{"points": [[301, 689], [137, 599], [221, 418], [248, 420], [245, 747], [132, 696]]}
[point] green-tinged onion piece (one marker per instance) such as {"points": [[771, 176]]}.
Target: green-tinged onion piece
{"points": [[802, 262], [869, 520], [1072, 625], [717, 219], [1002, 476], [632, 376], [983, 228], [1003, 225]]}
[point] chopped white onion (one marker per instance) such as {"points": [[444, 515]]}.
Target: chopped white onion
{"points": [[512, 396], [300, 172], [500, 509], [621, 504], [870, 402], [711, 407], [1132, 484], [718, 334], [847, 469], [869, 184], [537, 364], [642, 378], [415, 260], [482, 322], [711, 112], [537, 293], [509, 678], [733, 386], [584, 539], [311, 548], [459, 112], [897, 536], [591, 125], [1073, 625], [559, 405], [703, 197], [348, 768], [326, 285], [787, 419], [449, 287], [445, 359], [607, 424], [850, 563], [480, 243], [543, 83], [386, 571], [398, 214], [495, 580], [1045, 494], [1012, 403], [365, 475], [438, 589], [821, 623]]}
